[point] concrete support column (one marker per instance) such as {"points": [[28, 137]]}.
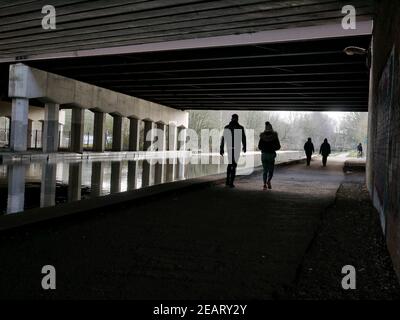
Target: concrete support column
{"points": [[16, 188], [74, 181], [132, 174], [148, 134], [48, 185], [29, 136], [115, 177], [172, 137], [97, 179], [99, 137], [134, 134], [181, 138], [117, 133], [77, 127], [19, 124], [50, 127], [160, 136]]}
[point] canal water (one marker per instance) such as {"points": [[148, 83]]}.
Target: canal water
{"points": [[35, 184]]}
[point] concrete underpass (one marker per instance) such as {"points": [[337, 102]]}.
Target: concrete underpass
{"points": [[165, 231]]}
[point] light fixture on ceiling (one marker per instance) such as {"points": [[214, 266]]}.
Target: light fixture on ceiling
{"points": [[351, 51]]}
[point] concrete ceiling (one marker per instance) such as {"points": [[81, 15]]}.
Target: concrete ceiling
{"points": [[85, 25], [191, 54], [306, 75]]}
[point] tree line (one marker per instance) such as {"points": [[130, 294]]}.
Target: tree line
{"points": [[293, 127]]}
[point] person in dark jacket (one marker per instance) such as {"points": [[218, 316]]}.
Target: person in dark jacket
{"points": [[309, 149], [325, 151], [360, 150], [269, 144], [234, 138]]}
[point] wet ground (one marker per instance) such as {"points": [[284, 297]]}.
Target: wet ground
{"points": [[212, 243]]}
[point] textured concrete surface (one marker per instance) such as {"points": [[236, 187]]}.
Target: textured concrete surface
{"points": [[210, 243]]}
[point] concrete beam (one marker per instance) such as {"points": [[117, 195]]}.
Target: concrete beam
{"points": [[28, 83]]}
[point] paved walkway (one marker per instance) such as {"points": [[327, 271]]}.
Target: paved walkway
{"points": [[211, 243]]}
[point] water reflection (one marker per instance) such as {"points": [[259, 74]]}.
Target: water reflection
{"points": [[74, 181], [48, 185], [43, 184], [16, 188]]}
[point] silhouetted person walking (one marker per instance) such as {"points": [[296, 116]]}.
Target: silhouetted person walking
{"points": [[325, 151], [269, 144], [360, 150], [309, 150], [234, 137]]}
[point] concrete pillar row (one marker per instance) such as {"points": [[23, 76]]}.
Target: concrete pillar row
{"points": [[134, 134], [117, 133], [50, 127], [148, 134], [19, 124], [99, 137], [77, 127]]}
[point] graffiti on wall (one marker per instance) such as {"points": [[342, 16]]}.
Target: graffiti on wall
{"points": [[385, 102]]}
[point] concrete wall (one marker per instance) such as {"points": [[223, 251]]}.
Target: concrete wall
{"points": [[383, 172]]}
